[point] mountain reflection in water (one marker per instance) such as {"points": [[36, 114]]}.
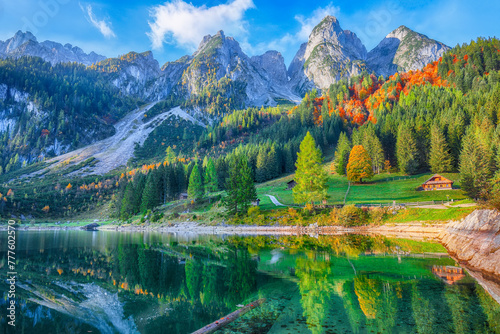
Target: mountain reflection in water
{"points": [[116, 282]]}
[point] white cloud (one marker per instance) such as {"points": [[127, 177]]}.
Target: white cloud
{"points": [[103, 26], [184, 24]]}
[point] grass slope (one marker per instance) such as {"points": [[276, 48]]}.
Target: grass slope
{"points": [[383, 188]]}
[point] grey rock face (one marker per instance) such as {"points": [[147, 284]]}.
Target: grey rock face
{"points": [[137, 73], [263, 77], [273, 64], [25, 44], [329, 55], [404, 50]]}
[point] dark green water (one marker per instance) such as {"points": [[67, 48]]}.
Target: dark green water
{"points": [[115, 282]]}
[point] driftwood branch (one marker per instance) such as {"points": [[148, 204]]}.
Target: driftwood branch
{"points": [[210, 328]]}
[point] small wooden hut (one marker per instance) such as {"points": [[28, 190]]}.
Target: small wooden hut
{"points": [[437, 182], [291, 184]]}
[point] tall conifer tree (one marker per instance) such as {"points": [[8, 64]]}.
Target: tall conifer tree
{"points": [[240, 187], [195, 188], [342, 154], [439, 156], [406, 150], [210, 176], [310, 176]]}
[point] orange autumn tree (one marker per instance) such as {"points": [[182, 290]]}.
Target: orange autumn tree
{"points": [[359, 166]]}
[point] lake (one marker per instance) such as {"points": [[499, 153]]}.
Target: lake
{"points": [[73, 281]]}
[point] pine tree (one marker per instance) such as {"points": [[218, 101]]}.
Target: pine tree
{"points": [[342, 154], [169, 155], [127, 204], [272, 162], [406, 150], [180, 174], [373, 146], [261, 172], [439, 156], [210, 177], [360, 165], [150, 197], [474, 167], [310, 176], [289, 166], [139, 185], [195, 188], [240, 187]]}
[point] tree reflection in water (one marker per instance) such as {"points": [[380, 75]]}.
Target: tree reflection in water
{"points": [[349, 283]]}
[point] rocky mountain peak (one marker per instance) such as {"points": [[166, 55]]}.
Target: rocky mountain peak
{"points": [[402, 50], [19, 39], [273, 63], [329, 31], [329, 26], [26, 44], [218, 44], [330, 54]]}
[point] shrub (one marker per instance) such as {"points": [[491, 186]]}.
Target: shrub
{"points": [[292, 212], [157, 216], [349, 215], [309, 208], [253, 211], [378, 215]]}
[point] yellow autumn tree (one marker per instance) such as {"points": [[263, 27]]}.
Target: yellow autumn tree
{"points": [[359, 166]]}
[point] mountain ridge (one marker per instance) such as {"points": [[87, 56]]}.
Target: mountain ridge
{"points": [[394, 53], [329, 55], [26, 44]]}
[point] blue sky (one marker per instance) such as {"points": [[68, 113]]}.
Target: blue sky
{"points": [[174, 28]]}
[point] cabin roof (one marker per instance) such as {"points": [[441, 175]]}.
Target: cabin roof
{"points": [[445, 180]]}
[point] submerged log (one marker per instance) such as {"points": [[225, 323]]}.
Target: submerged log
{"points": [[210, 328]]}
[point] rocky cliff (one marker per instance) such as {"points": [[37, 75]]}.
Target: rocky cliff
{"points": [[133, 73], [25, 44], [402, 50], [219, 60], [475, 240], [329, 55]]}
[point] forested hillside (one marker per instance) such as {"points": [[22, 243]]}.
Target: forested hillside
{"points": [[49, 109], [442, 118]]}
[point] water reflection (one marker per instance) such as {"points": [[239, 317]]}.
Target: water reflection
{"points": [[114, 282]]}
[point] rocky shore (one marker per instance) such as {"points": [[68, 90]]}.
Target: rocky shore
{"points": [[475, 240]]}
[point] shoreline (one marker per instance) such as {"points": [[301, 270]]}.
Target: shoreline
{"points": [[413, 230]]}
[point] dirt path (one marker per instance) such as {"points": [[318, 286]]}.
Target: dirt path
{"points": [[116, 150], [274, 200]]}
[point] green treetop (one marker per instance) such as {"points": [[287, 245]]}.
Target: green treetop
{"points": [[342, 154], [310, 175], [240, 187], [195, 188], [210, 176], [439, 156]]}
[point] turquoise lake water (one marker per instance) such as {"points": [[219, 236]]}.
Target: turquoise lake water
{"points": [[118, 282]]}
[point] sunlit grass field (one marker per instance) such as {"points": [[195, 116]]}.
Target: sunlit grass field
{"points": [[382, 188]]}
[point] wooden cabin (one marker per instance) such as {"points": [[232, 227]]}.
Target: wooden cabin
{"points": [[448, 274], [437, 182], [183, 196], [256, 202], [291, 184]]}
